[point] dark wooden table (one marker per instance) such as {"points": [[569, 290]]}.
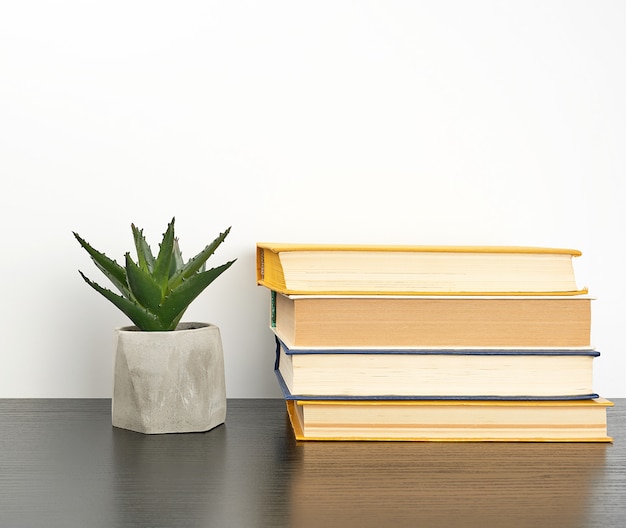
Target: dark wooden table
{"points": [[63, 465]]}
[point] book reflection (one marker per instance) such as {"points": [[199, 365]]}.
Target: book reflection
{"points": [[444, 484]]}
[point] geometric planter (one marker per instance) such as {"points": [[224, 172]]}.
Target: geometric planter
{"points": [[169, 382]]}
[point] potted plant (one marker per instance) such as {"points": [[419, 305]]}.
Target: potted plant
{"points": [[168, 375]]}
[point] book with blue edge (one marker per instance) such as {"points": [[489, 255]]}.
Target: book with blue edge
{"points": [[392, 374]]}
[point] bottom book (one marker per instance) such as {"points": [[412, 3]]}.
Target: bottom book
{"points": [[437, 420]]}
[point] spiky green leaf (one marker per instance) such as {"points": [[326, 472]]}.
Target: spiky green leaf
{"points": [[145, 258], [161, 271], [143, 319], [177, 302], [177, 259], [143, 286], [112, 270], [197, 263]]}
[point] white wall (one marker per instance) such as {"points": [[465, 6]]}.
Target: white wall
{"points": [[440, 122]]}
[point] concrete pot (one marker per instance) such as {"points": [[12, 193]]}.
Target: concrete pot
{"points": [[169, 382]]}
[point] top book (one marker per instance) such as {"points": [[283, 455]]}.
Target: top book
{"points": [[412, 270]]}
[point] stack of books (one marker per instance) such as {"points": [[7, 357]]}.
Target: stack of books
{"points": [[432, 343]]}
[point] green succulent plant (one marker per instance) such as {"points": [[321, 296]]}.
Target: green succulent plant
{"points": [[156, 292]]}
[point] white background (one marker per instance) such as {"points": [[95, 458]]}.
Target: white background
{"points": [[441, 122]]}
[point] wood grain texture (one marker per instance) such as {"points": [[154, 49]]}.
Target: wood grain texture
{"points": [[63, 465]]}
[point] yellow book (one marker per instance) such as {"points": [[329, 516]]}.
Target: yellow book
{"points": [[401, 270], [444, 420]]}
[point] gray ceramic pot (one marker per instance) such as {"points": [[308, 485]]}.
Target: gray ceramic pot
{"points": [[169, 382]]}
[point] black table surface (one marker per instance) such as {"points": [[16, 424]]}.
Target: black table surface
{"points": [[63, 465]]}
